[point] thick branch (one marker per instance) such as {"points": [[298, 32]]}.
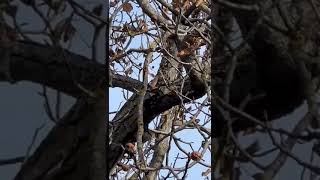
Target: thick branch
{"points": [[124, 128], [75, 147], [151, 12], [62, 71]]}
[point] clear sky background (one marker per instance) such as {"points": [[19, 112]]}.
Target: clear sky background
{"points": [[21, 108]]}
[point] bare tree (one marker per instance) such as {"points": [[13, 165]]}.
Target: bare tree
{"points": [[75, 147], [160, 51], [266, 65]]}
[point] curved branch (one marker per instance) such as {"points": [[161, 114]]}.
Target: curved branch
{"points": [[63, 71], [124, 128], [125, 82], [74, 147]]}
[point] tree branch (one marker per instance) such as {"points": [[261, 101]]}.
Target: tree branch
{"points": [[62, 71]]}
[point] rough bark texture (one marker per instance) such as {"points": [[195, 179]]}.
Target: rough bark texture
{"points": [[46, 65], [162, 148]]}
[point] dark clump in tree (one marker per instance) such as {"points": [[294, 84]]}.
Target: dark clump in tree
{"points": [[267, 85]]}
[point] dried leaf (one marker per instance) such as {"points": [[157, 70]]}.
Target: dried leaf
{"points": [[143, 26], [186, 5], [131, 148], [113, 3], [172, 93], [153, 45], [183, 53], [175, 4], [129, 29], [124, 167], [127, 7], [196, 156], [199, 2]]}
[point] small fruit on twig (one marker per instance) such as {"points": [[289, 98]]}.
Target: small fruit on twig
{"points": [[196, 156], [124, 167]]}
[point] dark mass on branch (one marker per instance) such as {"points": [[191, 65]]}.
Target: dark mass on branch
{"points": [[267, 85]]}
